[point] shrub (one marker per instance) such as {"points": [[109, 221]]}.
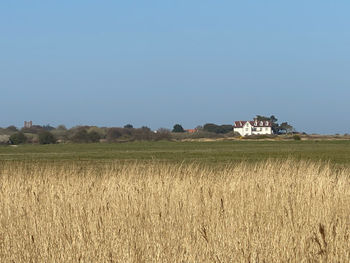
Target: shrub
{"points": [[48, 127], [94, 136], [101, 131], [46, 137], [178, 128], [143, 134], [61, 127], [12, 128], [35, 129], [211, 127], [296, 137], [162, 134], [80, 136], [18, 138], [113, 134]]}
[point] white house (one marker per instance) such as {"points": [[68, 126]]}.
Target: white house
{"points": [[246, 128]]}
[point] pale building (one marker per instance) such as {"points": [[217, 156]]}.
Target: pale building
{"points": [[246, 128], [28, 124]]}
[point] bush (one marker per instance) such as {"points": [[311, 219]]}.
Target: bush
{"points": [[12, 128], [35, 129], [18, 138], [80, 136], [94, 136], [296, 137], [178, 128], [163, 134], [61, 127], [46, 137], [48, 127], [114, 133], [211, 127], [143, 134], [102, 132]]}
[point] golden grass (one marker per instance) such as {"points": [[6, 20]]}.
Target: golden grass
{"points": [[269, 212]]}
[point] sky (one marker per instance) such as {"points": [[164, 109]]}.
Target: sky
{"points": [[157, 63]]}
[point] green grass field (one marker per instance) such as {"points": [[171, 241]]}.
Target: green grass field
{"points": [[337, 152]]}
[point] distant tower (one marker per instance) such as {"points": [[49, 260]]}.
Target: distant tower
{"points": [[28, 124]]}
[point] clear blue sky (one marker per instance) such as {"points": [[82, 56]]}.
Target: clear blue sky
{"points": [[158, 63]]}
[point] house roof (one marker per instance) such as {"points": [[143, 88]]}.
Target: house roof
{"points": [[240, 124], [191, 130]]}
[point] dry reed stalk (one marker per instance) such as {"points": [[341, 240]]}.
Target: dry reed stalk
{"points": [[269, 212]]}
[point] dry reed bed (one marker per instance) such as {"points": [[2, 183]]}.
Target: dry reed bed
{"points": [[269, 212]]}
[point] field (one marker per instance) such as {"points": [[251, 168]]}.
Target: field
{"points": [[222, 152], [176, 202]]}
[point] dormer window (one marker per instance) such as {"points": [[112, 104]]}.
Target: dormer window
{"points": [[267, 123], [261, 123], [255, 123]]}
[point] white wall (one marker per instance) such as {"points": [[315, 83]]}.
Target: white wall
{"points": [[259, 130], [262, 130], [239, 130]]}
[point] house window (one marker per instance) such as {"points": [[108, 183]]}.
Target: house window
{"points": [[246, 129]]}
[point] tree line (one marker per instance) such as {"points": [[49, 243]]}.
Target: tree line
{"points": [[47, 134]]}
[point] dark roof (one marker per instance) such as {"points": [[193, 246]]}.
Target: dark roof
{"points": [[240, 124]]}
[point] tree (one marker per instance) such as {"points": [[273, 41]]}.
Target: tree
{"points": [[274, 124], [162, 134], [226, 128], [144, 133], [12, 128], [48, 127], [273, 119], [128, 126], [113, 134], [46, 137], [18, 138], [94, 136], [211, 127], [178, 128], [262, 118], [61, 127], [80, 136], [285, 127], [36, 129]]}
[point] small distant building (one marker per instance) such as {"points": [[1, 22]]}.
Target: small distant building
{"points": [[255, 127], [191, 130], [28, 124]]}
